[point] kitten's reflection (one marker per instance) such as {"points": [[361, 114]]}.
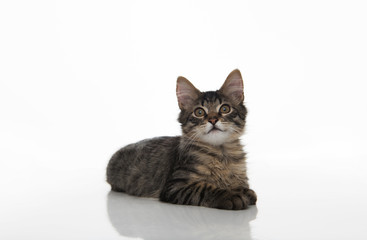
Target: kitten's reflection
{"points": [[151, 219]]}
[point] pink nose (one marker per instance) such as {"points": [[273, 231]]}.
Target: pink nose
{"points": [[213, 120]]}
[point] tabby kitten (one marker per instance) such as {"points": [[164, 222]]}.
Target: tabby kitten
{"points": [[203, 167]]}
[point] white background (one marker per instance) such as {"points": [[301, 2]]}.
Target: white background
{"points": [[80, 79]]}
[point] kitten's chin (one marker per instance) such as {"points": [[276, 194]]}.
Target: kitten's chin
{"points": [[215, 137]]}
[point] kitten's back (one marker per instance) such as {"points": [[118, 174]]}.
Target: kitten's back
{"points": [[142, 168]]}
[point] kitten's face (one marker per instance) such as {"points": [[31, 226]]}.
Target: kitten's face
{"points": [[212, 117]]}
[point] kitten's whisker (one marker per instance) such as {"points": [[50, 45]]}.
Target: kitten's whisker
{"points": [[191, 139]]}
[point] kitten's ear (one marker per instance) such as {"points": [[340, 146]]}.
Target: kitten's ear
{"points": [[186, 93], [233, 87]]}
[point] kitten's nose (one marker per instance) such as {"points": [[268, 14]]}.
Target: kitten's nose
{"points": [[213, 120]]}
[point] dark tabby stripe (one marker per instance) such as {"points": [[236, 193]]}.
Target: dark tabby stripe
{"points": [[202, 150], [191, 169], [175, 181], [192, 192], [202, 194]]}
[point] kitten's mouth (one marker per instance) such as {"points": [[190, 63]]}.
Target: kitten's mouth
{"points": [[214, 129]]}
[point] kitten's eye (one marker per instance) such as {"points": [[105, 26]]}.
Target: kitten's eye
{"points": [[225, 108], [199, 112]]}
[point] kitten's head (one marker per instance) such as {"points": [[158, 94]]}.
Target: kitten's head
{"points": [[213, 117]]}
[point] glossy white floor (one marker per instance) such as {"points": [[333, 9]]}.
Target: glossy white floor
{"points": [[80, 79], [305, 202]]}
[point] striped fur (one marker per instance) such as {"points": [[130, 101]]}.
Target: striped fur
{"points": [[201, 167]]}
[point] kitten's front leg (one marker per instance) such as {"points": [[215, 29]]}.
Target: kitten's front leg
{"points": [[203, 194]]}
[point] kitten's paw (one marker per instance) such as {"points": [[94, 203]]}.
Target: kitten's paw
{"points": [[233, 202], [251, 195]]}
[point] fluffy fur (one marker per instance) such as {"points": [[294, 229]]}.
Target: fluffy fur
{"points": [[205, 166]]}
